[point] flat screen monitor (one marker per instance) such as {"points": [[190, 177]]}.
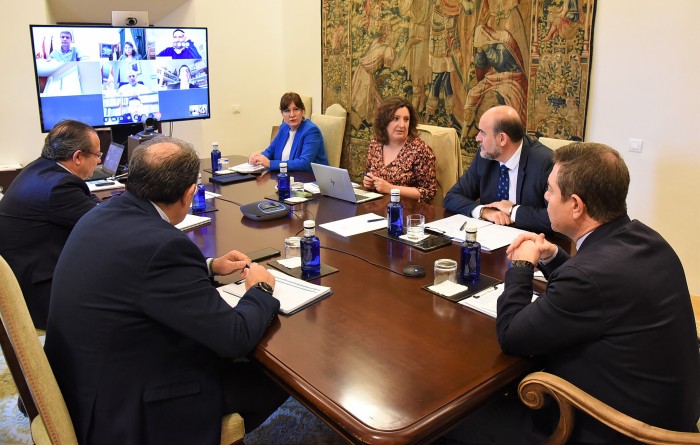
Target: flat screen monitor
{"points": [[107, 76]]}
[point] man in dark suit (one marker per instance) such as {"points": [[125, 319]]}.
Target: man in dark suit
{"points": [[515, 198], [41, 207], [616, 319], [139, 339]]}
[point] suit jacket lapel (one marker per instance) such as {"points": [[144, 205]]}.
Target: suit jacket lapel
{"points": [[522, 167]]}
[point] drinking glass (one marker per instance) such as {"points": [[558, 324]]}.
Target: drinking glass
{"points": [[414, 227], [445, 270], [292, 247], [223, 164], [297, 188]]}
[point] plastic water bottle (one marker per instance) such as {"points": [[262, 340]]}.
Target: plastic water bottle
{"points": [[394, 213], [199, 203], [215, 156], [470, 257], [283, 182], [310, 250]]}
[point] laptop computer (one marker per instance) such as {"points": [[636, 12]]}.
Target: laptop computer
{"points": [[111, 163], [335, 182]]}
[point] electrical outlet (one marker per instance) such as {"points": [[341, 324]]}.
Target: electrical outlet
{"points": [[236, 109], [635, 145]]}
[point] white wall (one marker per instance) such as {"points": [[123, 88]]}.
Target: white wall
{"points": [[646, 60], [643, 85], [257, 51], [22, 139]]}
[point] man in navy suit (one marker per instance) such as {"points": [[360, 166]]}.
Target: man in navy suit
{"points": [[616, 319], [41, 207], [141, 342], [502, 142]]}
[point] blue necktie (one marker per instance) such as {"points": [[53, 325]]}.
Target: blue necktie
{"points": [[503, 184]]}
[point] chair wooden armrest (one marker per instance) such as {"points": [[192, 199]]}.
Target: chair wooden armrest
{"points": [[533, 388], [232, 429]]}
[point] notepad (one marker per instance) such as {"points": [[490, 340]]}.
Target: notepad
{"points": [[192, 222], [293, 294], [486, 301], [247, 168], [355, 225]]}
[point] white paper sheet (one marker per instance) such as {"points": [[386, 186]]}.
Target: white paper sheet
{"points": [[356, 224]]}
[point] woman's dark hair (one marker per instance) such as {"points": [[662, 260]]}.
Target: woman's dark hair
{"points": [[385, 114], [289, 98]]}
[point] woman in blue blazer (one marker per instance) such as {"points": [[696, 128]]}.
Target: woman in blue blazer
{"points": [[298, 141]]}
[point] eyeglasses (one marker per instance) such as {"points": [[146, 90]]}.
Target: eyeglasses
{"points": [[289, 111], [99, 155]]}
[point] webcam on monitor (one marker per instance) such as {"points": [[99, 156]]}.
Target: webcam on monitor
{"points": [[130, 18]]}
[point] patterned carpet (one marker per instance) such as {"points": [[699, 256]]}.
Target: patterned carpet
{"points": [[291, 424], [14, 427]]}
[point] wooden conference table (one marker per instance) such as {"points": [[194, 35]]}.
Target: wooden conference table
{"points": [[381, 361]]}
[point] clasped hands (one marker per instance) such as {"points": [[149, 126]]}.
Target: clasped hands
{"points": [[235, 261], [371, 181], [498, 212], [531, 247], [258, 159]]}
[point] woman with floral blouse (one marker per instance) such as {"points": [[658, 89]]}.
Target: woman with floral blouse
{"points": [[396, 157]]}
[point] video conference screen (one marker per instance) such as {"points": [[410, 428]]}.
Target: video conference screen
{"points": [[107, 76]]}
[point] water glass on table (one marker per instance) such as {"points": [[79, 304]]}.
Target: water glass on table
{"points": [[297, 188], [292, 247], [445, 270], [415, 225]]}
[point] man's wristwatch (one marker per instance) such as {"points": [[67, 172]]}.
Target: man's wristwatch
{"points": [[263, 286], [481, 212], [522, 263]]}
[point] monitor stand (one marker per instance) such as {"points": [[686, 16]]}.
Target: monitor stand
{"points": [[120, 133]]}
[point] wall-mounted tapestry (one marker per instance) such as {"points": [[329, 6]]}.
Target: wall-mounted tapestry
{"points": [[455, 59]]}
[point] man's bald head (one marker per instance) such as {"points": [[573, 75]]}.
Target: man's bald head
{"points": [[163, 169], [506, 120], [500, 133]]}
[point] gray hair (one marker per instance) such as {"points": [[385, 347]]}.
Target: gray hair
{"points": [[65, 138], [162, 169]]}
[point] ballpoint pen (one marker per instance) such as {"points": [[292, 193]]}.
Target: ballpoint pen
{"points": [[485, 291], [376, 220], [464, 225]]}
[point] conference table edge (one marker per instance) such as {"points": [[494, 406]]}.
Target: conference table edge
{"points": [[424, 430]]}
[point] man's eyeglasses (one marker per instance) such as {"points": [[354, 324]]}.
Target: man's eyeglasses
{"points": [[289, 111], [99, 155]]}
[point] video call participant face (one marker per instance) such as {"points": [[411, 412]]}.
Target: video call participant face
{"points": [[135, 107], [128, 49], [132, 79], [179, 40], [184, 74], [66, 38]]}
